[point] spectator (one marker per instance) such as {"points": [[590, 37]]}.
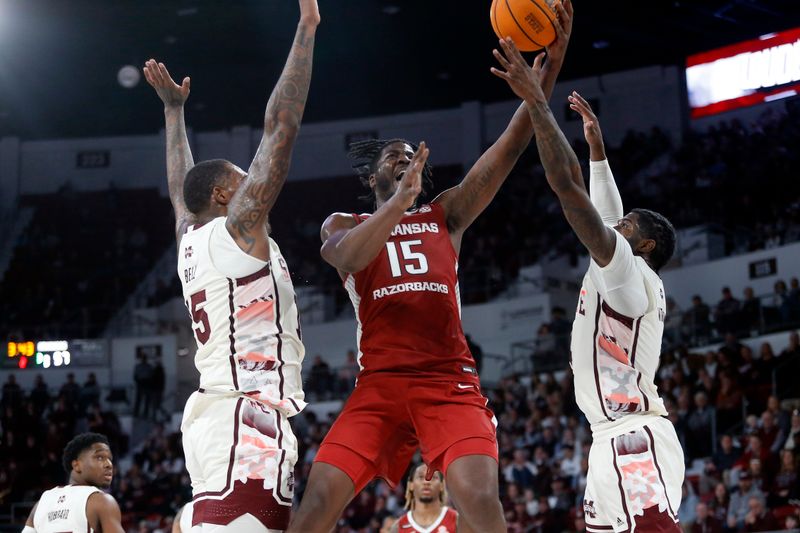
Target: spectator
{"points": [[772, 438], [90, 393], [785, 486], [521, 471], [739, 507], [720, 503], [704, 522], [758, 517], [729, 402], [794, 432], [780, 310], [319, 381], [672, 324], [348, 373], [751, 311], [726, 456], [700, 425], [142, 376], [688, 508], [697, 320], [794, 299], [158, 381], [40, 396], [70, 392], [12, 393], [726, 314]]}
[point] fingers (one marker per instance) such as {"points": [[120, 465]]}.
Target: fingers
{"points": [[512, 52], [165, 74], [186, 83], [537, 63], [500, 59], [568, 8], [500, 74], [579, 104]]}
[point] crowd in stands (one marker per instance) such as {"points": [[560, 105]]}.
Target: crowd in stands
{"points": [[737, 415]]}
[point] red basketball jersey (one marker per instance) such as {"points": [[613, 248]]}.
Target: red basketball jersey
{"points": [[446, 523], [407, 302]]}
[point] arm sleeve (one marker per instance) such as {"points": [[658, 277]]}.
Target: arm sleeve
{"points": [[620, 282], [604, 193], [226, 255]]}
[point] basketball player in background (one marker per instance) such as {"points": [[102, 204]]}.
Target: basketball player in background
{"points": [[418, 385], [239, 447], [81, 505], [636, 464], [425, 501]]}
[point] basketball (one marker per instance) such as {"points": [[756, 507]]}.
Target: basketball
{"points": [[528, 22]]}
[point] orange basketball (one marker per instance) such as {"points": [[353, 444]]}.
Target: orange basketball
{"points": [[528, 22]]}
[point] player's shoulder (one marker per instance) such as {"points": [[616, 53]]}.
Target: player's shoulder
{"points": [[339, 221], [102, 501]]}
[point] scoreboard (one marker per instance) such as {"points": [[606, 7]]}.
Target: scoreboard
{"points": [[45, 354]]}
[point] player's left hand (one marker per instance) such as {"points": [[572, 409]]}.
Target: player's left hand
{"points": [[525, 81], [563, 25], [172, 94]]}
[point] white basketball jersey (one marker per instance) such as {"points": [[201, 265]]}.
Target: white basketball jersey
{"points": [[63, 509], [615, 357], [247, 329]]}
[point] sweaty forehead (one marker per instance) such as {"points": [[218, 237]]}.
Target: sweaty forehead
{"points": [[98, 447]]}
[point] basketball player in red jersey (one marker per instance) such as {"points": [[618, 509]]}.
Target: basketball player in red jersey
{"points": [[425, 501], [418, 386]]}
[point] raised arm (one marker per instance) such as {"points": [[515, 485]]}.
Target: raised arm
{"points": [[250, 206], [464, 202], [602, 188], [564, 172], [179, 155], [350, 247]]}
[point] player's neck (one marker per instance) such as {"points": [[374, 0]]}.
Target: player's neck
{"points": [[426, 514]]}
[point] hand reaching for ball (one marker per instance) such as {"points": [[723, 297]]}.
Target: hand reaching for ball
{"points": [[524, 80]]}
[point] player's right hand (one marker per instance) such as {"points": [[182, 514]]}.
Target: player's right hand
{"points": [[172, 94], [591, 126], [411, 183]]}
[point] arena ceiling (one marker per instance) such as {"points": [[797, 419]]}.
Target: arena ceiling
{"points": [[59, 58]]}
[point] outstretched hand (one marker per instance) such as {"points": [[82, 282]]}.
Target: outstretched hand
{"points": [[591, 126], [525, 81], [172, 94], [411, 183]]}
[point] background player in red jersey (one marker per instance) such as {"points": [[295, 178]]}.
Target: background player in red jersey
{"points": [[418, 386], [425, 501]]}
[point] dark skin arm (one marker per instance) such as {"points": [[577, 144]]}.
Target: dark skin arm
{"points": [[179, 154], [563, 171], [350, 247], [103, 514], [250, 206], [463, 203]]}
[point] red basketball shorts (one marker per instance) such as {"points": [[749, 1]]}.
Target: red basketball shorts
{"points": [[387, 418]]}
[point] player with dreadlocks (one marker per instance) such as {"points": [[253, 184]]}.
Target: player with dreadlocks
{"points": [[418, 386], [426, 505], [81, 505]]}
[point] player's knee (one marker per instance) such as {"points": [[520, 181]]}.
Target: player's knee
{"points": [[478, 498]]}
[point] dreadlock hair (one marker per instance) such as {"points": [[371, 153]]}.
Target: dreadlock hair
{"points": [[365, 156], [78, 445], [655, 226], [410, 493], [201, 180]]}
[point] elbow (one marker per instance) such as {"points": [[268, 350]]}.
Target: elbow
{"points": [[339, 260]]}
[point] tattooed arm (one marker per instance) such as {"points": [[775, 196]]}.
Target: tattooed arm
{"points": [[179, 155], [463, 203], [564, 173], [250, 205]]}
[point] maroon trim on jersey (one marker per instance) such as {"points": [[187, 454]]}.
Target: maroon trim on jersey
{"points": [[264, 272], [277, 492], [594, 358], [232, 336], [658, 467], [610, 313], [232, 456], [635, 341], [246, 498], [280, 345], [619, 481], [600, 528], [644, 396]]}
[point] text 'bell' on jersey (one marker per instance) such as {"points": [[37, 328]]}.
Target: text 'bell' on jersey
{"points": [[63, 509], [407, 302], [246, 327], [447, 522], [615, 357]]}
